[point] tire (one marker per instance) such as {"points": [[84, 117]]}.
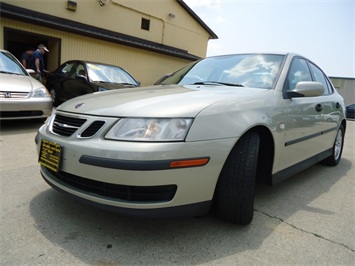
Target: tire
{"points": [[234, 195], [337, 149]]}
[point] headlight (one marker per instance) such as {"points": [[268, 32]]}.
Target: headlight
{"points": [[41, 92], [150, 129]]}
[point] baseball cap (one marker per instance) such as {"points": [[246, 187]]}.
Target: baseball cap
{"points": [[43, 47]]}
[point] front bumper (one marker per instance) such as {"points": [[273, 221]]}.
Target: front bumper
{"points": [[195, 209], [134, 178], [25, 108]]}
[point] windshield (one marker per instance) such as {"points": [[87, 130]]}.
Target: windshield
{"points": [[9, 65], [109, 74], [245, 70]]}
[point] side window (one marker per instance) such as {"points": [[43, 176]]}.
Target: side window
{"points": [[65, 69], [80, 70], [330, 86], [319, 77], [298, 71]]}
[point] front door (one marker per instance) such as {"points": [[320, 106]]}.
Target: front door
{"points": [[304, 123]]}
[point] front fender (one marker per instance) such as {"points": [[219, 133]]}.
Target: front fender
{"points": [[230, 119]]}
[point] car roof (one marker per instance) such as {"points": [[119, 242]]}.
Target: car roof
{"points": [[90, 62], [259, 53]]}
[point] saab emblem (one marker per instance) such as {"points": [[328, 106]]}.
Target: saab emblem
{"points": [[79, 105]]}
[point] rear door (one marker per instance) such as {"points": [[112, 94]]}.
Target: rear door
{"points": [[331, 110]]}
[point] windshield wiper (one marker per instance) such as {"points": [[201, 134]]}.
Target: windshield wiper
{"points": [[129, 84], [217, 82], [7, 72], [121, 83]]}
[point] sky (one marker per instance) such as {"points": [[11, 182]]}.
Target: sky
{"points": [[321, 30]]}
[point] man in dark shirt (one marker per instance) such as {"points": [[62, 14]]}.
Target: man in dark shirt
{"points": [[25, 57]]}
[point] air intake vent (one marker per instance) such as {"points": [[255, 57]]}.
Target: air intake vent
{"points": [[66, 126], [92, 129]]}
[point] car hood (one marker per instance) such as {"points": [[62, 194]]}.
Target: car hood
{"points": [[156, 101], [18, 83]]}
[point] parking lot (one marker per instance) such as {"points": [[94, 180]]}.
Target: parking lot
{"points": [[308, 219]]}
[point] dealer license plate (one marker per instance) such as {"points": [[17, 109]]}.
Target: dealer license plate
{"points": [[50, 154]]}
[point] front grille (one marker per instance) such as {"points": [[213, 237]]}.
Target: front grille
{"points": [[144, 194], [13, 95], [66, 125], [92, 129]]}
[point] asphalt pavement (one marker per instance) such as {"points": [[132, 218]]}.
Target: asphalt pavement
{"points": [[308, 219]]}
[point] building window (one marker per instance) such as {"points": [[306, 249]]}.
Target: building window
{"points": [[145, 25]]}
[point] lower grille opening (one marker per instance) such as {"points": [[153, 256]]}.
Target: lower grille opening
{"points": [[20, 113], [144, 194]]}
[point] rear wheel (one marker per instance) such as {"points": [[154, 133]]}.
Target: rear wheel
{"points": [[234, 196], [334, 159]]}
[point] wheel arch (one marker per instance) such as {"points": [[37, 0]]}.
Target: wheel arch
{"points": [[343, 123], [249, 161], [266, 155]]}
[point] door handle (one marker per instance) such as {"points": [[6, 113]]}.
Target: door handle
{"points": [[337, 105], [319, 108]]}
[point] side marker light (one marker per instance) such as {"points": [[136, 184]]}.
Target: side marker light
{"points": [[189, 163]]}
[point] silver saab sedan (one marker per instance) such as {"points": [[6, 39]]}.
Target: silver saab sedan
{"points": [[198, 141]]}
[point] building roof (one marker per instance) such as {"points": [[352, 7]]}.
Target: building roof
{"points": [[345, 78], [22, 14], [197, 18]]}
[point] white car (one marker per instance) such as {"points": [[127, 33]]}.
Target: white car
{"points": [[21, 96], [199, 140]]}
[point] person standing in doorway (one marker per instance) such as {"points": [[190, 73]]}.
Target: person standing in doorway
{"points": [[37, 62], [26, 56]]}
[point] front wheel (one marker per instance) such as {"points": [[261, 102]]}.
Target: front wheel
{"points": [[234, 195], [337, 150]]}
